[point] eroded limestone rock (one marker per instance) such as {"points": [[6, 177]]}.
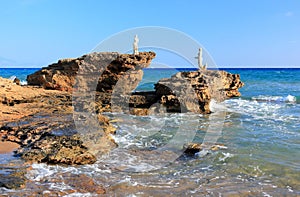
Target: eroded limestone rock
{"points": [[103, 68], [193, 91]]}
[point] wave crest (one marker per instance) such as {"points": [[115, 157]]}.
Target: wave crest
{"points": [[287, 99]]}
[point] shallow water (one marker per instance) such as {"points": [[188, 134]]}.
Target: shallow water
{"points": [[261, 159]]}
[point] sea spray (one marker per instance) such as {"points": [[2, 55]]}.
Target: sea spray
{"points": [[265, 98]]}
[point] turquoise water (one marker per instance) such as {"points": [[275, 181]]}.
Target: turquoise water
{"points": [[259, 82], [260, 130]]}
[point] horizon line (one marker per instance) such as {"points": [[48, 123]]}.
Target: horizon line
{"points": [[233, 67]]}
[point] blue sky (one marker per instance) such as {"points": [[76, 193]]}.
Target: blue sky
{"points": [[237, 33]]}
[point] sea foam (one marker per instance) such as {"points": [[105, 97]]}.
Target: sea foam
{"points": [[13, 77], [287, 99]]}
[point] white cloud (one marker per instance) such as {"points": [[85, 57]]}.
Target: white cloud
{"points": [[289, 14]]}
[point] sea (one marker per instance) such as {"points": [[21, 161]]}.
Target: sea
{"points": [[257, 137]]}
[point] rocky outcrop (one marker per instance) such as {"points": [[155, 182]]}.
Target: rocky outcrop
{"points": [[41, 123], [114, 76], [20, 101], [193, 91], [184, 92], [107, 80], [53, 139], [104, 68]]}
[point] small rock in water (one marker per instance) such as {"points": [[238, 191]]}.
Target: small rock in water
{"points": [[17, 81], [200, 150], [192, 148]]}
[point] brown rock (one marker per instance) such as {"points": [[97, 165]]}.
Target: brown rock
{"points": [[58, 149], [193, 91], [40, 143], [17, 81], [21, 101], [183, 92], [114, 76], [83, 184], [142, 99], [139, 111], [106, 68]]}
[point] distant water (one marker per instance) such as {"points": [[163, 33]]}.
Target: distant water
{"points": [[261, 132], [20, 73]]}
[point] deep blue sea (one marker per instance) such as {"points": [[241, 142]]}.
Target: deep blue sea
{"points": [[260, 133], [21, 73]]}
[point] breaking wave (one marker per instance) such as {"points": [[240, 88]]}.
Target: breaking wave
{"points": [[13, 77], [287, 99]]}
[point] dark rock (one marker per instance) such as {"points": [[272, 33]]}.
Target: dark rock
{"points": [[17, 81], [192, 148], [142, 99]]}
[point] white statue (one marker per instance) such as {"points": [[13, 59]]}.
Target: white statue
{"points": [[135, 45], [199, 57]]}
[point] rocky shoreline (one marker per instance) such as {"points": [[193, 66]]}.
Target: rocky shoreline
{"points": [[38, 117]]}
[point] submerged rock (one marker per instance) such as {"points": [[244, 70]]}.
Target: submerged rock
{"points": [[13, 180], [83, 184], [12, 172]]}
